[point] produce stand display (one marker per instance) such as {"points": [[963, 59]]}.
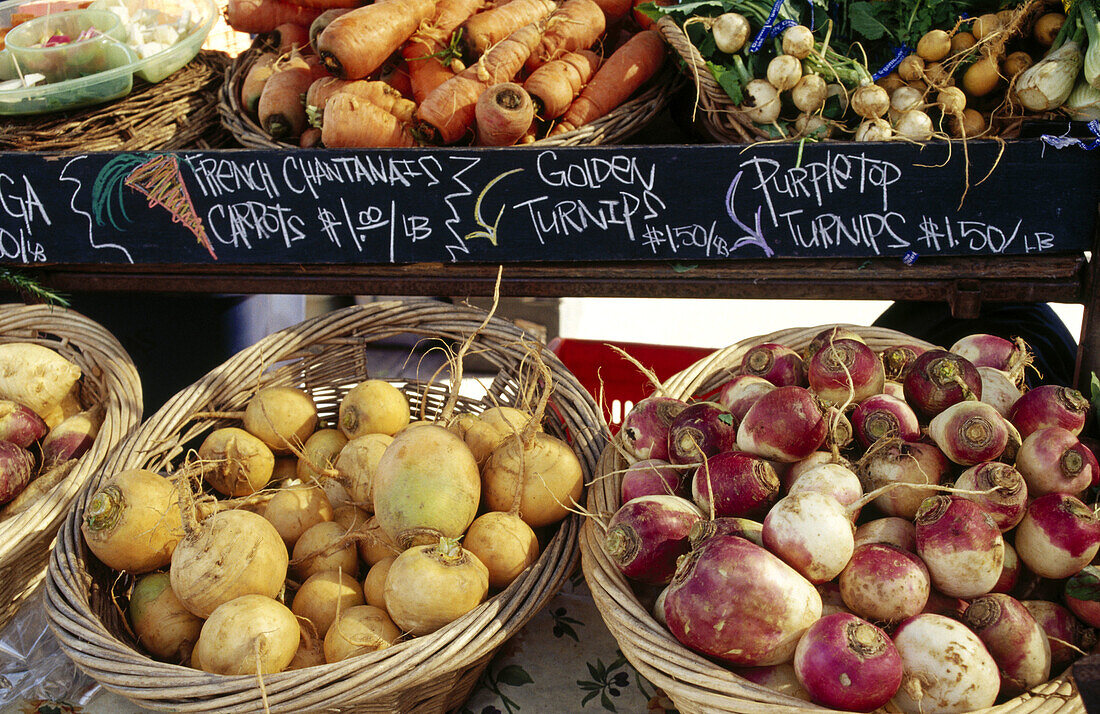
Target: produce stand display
{"points": [[164, 200], [325, 356], [110, 379]]}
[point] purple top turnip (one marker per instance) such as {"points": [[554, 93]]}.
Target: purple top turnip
{"points": [[969, 432], [1053, 459], [937, 379], [882, 416], [734, 483], [984, 350], [702, 429], [1057, 536], [786, 424], [845, 372], [644, 431], [826, 336], [961, 545], [20, 424], [651, 477], [998, 488], [776, 363], [646, 536], [847, 663], [897, 359], [1049, 405], [884, 583], [1016, 641], [741, 392], [16, 467]]}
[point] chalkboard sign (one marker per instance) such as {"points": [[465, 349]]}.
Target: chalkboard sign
{"points": [[690, 203]]}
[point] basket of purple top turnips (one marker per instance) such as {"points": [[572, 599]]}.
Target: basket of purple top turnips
{"points": [[851, 518]]}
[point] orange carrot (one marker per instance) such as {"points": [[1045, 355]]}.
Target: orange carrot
{"points": [[378, 93], [287, 37], [322, 21], [615, 10], [260, 16], [353, 122], [627, 69], [281, 109], [555, 85], [504, 113], [254, 80], [447, 113], [427, 53], [356, 44], [426, 72], [395, 72], [575, 25], [488, 27], [310, 138]]}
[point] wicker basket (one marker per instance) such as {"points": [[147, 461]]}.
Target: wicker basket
{"points": [[177, 113], [692, 682], [722, 119], [622, 123], [109, 377], [325, 356]]}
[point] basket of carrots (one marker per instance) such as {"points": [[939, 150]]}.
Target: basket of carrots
{"points": [[325, 523], [459, 72], [68, 394], [850, 518]]}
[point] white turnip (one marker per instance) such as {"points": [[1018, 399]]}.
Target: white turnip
{"points": [[761, 101], [1054, 459], [1057, 536], [429, 586], [809, 94], [969, 432], [846, 662], [870, 101], [646, 536], [798, 41], [1016, 641], [961, 545], [914, 124], [784, 425], [731, 31], [883, 583], [730, 580], [870, 130], [784, 72], [947, 668], [644, 431]]}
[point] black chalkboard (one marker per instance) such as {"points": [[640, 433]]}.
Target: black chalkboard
{"points": [[555, 204]]}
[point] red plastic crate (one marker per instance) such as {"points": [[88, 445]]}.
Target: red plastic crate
{"points": [[597, 366]]}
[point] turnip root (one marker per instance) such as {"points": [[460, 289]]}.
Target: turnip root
{"points": [[998, 391], [846, 662], [999, 489], [834, 480], [897, 359], [230, 554], [324, 595], [1049, 405], [811, 532], [1010, 572], [831, 600], [730, 580], [644, 431], [650, 477], [374, 584], [429, 586], [542, 477], [35, 376], [936, 379], [318, 456], [373, 406], [504, 113], [281, 417], [1057, 536], [360, 630], [738, 394], [356, 464], [734, 483], [1067, 635], [969, 432], [785, 425], [702, 429], [295, 509], [961, 545], [133, 521], [1015, 640], [985, 350], [1053, 459], [426, 485], [845, 372], [776, 363], [898, 532], [20, 424], [817, 458], [240, 463], [72, 437], [16, 467], [251, 634], [162, 624], [748, 529], [882, 416], [883, 583], [646, 536], [947, 668], [895, 461], [504, 544], [322, 547]]}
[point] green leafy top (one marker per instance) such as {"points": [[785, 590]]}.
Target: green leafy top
{"points": [[897, 23]]}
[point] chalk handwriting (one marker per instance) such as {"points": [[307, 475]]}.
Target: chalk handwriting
{"points": [[488, 231]]}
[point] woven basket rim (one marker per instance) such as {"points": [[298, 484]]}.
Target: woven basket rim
{"points": [[693, 682], [27, 536], [462, 643], [618, 125]]}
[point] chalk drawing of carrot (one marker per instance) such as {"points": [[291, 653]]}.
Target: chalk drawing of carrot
{"points": [[159, 178]]}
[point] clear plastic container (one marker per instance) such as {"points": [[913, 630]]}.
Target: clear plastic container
{"points": [[72, 58], [122, 61]]}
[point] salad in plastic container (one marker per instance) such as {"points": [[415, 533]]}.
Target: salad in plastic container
{"points": [[60, 55]]}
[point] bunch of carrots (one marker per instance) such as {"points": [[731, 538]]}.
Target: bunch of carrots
{"points": [[405, 73]]}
